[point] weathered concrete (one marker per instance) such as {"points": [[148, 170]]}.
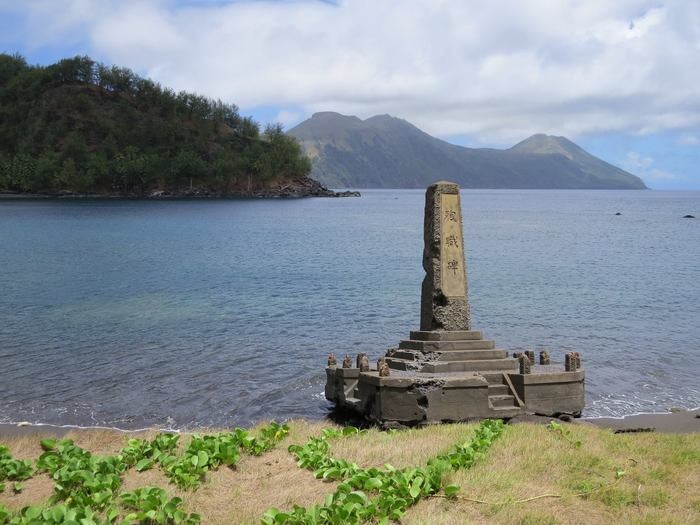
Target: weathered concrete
{"points": [[444, 304], [445, 371], [413, 401], [341, 383], [551, 393], [505, 364], [453, 355], [461, 335], [444, 346]]}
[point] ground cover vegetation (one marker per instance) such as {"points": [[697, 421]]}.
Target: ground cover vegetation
{"points": [[81, 126], [397, 489], [443, 474], [86, 485]]}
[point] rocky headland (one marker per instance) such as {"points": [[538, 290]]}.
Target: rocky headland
{"points": [[297, 187]]}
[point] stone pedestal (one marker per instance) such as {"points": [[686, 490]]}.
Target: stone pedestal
{"points": [[446, 371]]}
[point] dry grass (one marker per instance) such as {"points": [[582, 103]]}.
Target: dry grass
{"points": [[401, 449], [660, 485], [258, 483]]}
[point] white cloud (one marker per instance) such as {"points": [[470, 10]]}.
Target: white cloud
{"points": [[50, 23], [636, 162], [498, 70], [642, 166], [288, 118]]}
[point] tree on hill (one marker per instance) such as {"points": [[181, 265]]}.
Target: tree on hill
{"points": [[82, 126]]}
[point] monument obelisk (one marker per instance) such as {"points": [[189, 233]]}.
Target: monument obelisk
{"points": [[444, 302], [446, 371]]}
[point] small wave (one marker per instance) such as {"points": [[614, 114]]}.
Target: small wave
{"points": [[82, 427], [639, 414]]}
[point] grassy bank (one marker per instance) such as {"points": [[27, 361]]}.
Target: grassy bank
{"points": [[531, 474]]}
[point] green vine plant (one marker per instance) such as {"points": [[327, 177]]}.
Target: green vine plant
{"points": [[58, 514], [151, 505], [13, 469], [393, 490], [558, 428], [86, 486]]}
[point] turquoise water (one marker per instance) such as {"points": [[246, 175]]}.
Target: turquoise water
{"points": [[194, 313]]}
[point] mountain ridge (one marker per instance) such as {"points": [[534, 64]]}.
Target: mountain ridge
{"points": [[383, 151]]}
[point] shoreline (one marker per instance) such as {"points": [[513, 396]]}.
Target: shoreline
{"points": [[677, 422], [588, 475], [172, 197], [293, 189]]}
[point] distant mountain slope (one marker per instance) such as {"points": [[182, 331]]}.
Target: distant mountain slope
{"points": [[388, 152]]}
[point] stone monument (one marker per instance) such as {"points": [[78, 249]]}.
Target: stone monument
{"points": [[444, 304], [446, 371]]}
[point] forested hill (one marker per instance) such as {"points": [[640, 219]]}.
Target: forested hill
{"points": [[79, 126]]}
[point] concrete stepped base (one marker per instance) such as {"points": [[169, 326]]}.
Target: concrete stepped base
{"points": [[446, 346], [454, 384], [493, 376], [445, 336], [506, 412], [455, 355], [440, 367], [446, 371], [507, 364], [498, 390], [505, 400], [402, 364]]}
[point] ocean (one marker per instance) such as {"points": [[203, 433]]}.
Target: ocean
{"points": [[186, 314]]}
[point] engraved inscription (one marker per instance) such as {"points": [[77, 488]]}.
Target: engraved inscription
{"points": [[451, 215], [451, 250], [453, 265]]}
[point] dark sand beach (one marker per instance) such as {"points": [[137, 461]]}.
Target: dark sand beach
{"points": [[676, 422]]}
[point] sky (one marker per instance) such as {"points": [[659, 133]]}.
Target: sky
{"points": [[620, 78]]}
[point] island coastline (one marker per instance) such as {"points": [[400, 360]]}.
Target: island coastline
{"points": [[298, 187]]}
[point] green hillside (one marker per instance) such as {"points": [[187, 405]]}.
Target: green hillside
{"points": [[388, 152], [79, 126]]}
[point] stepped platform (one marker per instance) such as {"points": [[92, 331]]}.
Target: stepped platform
{"points": [[446, 371], [459, 376]]}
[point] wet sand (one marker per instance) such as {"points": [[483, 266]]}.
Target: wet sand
{"points": [[43, 431], [677, 422]]}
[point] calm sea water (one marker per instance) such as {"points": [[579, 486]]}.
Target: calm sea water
{"points": [[191, 313]]}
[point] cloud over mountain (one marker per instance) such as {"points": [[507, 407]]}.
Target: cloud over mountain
{"points": [[497, 70]]}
